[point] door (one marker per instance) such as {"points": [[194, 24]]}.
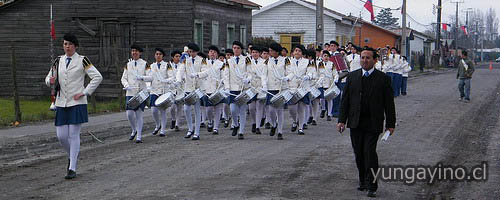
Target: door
{"points": [[290, 40]]}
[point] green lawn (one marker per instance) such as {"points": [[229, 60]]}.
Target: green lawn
{"points": [[38, 110]]}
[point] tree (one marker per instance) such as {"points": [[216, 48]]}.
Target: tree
{"points": [[384, 18], [262, 41], [491, 24]]}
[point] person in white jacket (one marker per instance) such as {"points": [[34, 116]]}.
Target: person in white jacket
{"points": [[256, 107], [161, 75], [187, 75], [397, 74], [236, 79], [315, 103], [176, 110], [67, 74], [354, 59], [212, 73], [299, 75], [406, 70], [276, 81], [133, 82], [328, 78]]}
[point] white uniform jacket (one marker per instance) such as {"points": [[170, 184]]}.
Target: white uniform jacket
{"points": [[156, 75], [234, 73], [328, 74], [133, 69], [187, 69], [354, 62], [257, 71], [275, 71], [297, 70], [211, 73], [71, 80]]}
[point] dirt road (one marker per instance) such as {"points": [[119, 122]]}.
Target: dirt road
{"points": [[433, 126]]}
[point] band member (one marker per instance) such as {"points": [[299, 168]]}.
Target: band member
{"points": [[71, 100], [406, 70], [236, 79], [226, 111], [176, 110], [202, 103], [266, 121], [276, 81], [284, 52], [133, 82], [188, 75], [256, 107], [161, 75], [328, 77], [314, 106], [211, 72], [354, 60], [397, 74], [299, 74]]}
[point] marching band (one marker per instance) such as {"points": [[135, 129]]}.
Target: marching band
{"points": [[220, 87]]}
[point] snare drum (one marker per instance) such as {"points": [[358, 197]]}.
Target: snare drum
{"points": [[245, 96], [315, 93], [138, 99], [332, 92], [282, 98], [193, 97], [216, 97], [299, 94], [165, 100], [179, 99]]}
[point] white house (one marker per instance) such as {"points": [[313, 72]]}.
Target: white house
{"points": [[293, 22]]}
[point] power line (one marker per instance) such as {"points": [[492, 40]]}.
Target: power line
{"points": [[413, 19]]}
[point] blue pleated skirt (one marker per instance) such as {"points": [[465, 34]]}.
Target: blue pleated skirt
{"points": [[71, 115]]}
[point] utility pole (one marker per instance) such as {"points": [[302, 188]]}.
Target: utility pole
{"points": [[319, 23], [456, 30], [403, 31], [438, 40]]}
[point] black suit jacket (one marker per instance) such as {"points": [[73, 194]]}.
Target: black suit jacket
{"points": [[381, 101]]}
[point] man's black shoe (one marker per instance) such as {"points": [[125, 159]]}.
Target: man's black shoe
{"points": [[371, 193]]}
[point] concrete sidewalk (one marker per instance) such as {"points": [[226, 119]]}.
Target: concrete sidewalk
{"points": [[95, 123]]}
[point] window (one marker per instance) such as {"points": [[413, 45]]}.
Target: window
{"points": [[337, 39], [198, 33], [243, 34], [215, 33], [290, 40], [230, 35]]}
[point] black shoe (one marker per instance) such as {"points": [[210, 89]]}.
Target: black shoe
{"points": [[314, 123], [273, 131], [196, 137], [328, 118], [162, 135], [176, 128], [262, 122], [404, 94], [301, 132], [202, 125], [305, 126], [240, 137], [138, 141], [257, 131], [132, 136], [215, 132], [172, 125], [280, 136], [235, 131], [371, 193], [226, 123], [156, 131], [322, 115], [294, 127], [71, 175], [254, 126], [268, 125], [361, 188], [309, 121], [188, 135], [210, 127]]}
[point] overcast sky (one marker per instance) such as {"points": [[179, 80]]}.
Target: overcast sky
{"points": [[419, 10]]}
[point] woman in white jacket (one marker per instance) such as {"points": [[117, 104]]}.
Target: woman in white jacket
{"points": [[71, 102], [328, 77], [406, 71]]}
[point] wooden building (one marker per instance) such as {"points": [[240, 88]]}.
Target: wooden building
{"points": [[371, 35], [106, 30], [292, 22]]}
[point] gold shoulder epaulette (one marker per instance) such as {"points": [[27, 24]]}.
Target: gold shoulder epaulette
{"points": [[267, 61], [321, 65], [147, 66], [86, 63], [169, 66], [248, 61], [204, 61], [287, 61]]}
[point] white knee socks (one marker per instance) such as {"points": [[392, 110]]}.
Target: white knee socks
{"points": [[69, 137]]}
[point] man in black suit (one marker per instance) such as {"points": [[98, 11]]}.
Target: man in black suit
{"points": [[368, 95]]}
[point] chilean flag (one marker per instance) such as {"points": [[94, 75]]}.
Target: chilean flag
{"points": [[464, 28], [445, 26], [369, 7]]}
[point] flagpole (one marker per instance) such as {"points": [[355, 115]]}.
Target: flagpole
{"points": [[51, 37]]}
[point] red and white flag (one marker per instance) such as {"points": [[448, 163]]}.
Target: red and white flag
{"points": [[464, 29], [369, 7], [445, 26], [52, 27]]}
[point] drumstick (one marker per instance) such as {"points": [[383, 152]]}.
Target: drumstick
{"points": [[93, 136]]}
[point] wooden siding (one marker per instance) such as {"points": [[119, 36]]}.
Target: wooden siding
{"points": [[105, 30]]}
